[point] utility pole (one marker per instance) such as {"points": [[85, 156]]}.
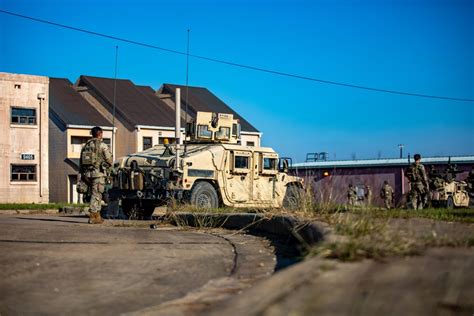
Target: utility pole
{"points": [[401, 149]]}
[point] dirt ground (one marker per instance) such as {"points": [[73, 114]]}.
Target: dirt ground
{"points": [[437, 280]]}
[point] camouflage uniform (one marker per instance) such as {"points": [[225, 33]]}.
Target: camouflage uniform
{"points": [[368, 195], [419, 186], [352, 195], [470, 183], [95, 176], [386, 193]]}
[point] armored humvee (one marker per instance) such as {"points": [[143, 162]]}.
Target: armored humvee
{"points": [[211, 170], [450, 194]]}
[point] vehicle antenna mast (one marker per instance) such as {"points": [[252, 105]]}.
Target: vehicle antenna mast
{"points": [[114, 101], [186, 101]]}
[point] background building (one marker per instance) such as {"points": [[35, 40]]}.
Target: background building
{"points": [[24, 160], [142, 119], [71, 118], [329, 180]]}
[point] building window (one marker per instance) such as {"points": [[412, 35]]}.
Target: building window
{"points": [[23, 116], [147, 143], [252, 144], [106, 141], [23, 173], [17, 86]]}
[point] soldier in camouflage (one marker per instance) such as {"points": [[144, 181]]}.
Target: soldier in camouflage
{"points": [[352, 195], [95, 161], [419, 186], [368, 195], [386, 193]]}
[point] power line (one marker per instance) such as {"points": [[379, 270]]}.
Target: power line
{"points": [[285, 74]]}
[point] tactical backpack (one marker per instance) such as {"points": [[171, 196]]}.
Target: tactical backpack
{"points": [[413, 174], [90, 154]]}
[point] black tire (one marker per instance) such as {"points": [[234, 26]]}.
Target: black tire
{"points": [[293, 197], [204, 195], [450, 203], [134, 209]]}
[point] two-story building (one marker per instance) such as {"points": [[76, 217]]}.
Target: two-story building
{"points": [[71, 118], [142, 120], [24, 139]]}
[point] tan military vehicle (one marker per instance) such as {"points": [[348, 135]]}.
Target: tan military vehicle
{"points": [[209, 171], [450, 194]]}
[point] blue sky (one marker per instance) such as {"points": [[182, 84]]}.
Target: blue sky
{"points": [[416, 46]]}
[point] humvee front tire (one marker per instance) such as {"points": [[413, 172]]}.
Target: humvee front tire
{"points": [[293, 197], [450, 203], [204, 195]]}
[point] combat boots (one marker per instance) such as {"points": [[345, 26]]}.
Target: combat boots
{"points": [[94, 218]]}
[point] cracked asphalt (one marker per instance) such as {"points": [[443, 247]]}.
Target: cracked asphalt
{"points": [[62, 265]]}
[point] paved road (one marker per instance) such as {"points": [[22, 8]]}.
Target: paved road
{"points": [[61, 265]]}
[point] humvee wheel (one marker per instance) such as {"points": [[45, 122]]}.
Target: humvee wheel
{"points": [[450, 203], [293, 197], [203, 195]]}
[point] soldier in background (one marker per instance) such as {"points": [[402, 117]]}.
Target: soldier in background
{"points": [[95, 161], [470, 182], [419, 186], [435, 179], [386, 193], [368, 195], [351, 195]]}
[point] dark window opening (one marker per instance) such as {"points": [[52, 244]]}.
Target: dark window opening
{"points": [[252, 144], [147, 143], [23, 116], [23, 173]]}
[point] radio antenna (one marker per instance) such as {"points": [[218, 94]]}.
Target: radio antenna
{"points": [[187, 93], [114, 101]]}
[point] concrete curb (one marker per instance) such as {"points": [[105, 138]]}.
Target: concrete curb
{"points": [[305, 233], [72, 210], [28, 212]]}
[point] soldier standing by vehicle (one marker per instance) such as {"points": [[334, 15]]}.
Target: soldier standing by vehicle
{"points": [[352, 195], [419, 186], [470, 182], [386, 193], [95, 161], [368, 195]]}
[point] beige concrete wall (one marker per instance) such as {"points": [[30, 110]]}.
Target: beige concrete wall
{"points": [[16, 139]]}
